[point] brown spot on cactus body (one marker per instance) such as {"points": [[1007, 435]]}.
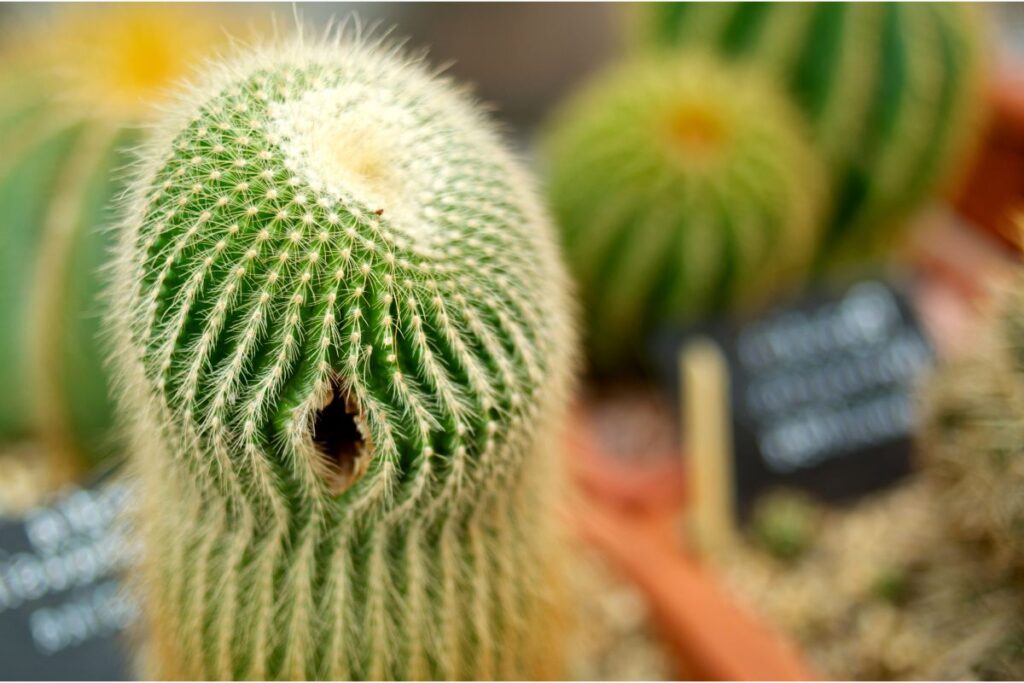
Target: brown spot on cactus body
{"points": [[339, 434]]}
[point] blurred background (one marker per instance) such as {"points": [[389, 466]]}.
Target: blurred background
{"points": [[520, 58], [797, 269]]}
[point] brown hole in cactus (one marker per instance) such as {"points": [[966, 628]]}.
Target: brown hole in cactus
{"points": [[339, 435], [697, 128]]}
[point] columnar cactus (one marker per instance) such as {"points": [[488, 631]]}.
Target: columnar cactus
{"points": [[345, 341], [973, 441], [682, 187], [893, 92], [73, 92]]}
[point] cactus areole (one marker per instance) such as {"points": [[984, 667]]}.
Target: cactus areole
{"points": [[344, 344]]}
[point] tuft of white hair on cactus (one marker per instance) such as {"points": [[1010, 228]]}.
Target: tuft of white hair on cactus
{"points": [[345, 346]]}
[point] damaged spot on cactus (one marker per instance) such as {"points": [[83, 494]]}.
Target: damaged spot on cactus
{"points": [[338, 435]]}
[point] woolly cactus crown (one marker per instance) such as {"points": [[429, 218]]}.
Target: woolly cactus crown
{"points": [[682, 187], [343, 320]]}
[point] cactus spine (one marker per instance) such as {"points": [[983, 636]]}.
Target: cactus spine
{"points": [[344, 338], [893, 92], [72, 96], [973, 441], [682, 187]]}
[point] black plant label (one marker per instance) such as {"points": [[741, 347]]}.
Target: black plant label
{"points": [[63, 611], [821, 391]]}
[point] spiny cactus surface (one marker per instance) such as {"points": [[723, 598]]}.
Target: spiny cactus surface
{"points": [[681, 187], [345, 342], [74, 88], [972, 443], [893, 91]]}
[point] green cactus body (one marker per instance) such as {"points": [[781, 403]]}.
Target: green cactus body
{"points": [[25, 181], [893, 91], [72, 96], [682, 187], [345, 342], [972, 443]]}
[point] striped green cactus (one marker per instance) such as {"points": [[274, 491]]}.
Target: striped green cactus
{"points": [[346, 345], [972, 444], [682, 187], [893, 91], [72, 95]]}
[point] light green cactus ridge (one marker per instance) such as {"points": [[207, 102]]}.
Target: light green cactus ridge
{"points": [[74, 403], [972, 443], [682, 187], [345, 343], [29, 175], [16, 245], [894, 92], [58, 180]]}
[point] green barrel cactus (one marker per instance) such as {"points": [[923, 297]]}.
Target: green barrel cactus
{"points": [[972, 443], [345, 343], [893, 92], [73, 93], [682, 187]]}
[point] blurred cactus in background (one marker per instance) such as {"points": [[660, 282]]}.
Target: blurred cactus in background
{"points": [[682, 188], [893, 91], [75, 85], [973, 441], [345, 340]]}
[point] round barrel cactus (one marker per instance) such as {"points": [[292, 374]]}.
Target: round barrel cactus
{"points": [[74, 89], [893, 92], [682, 187], [345, 343], [972, 444]]}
